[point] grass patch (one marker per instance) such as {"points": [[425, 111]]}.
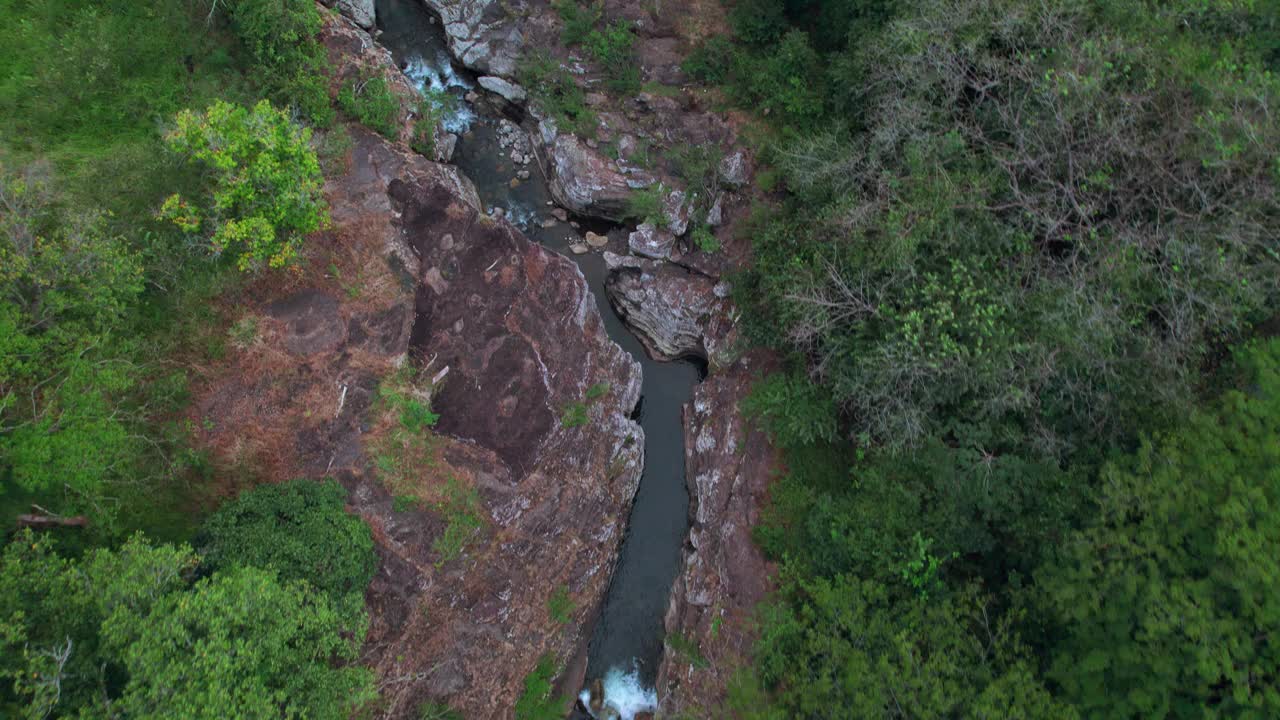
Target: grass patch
{"points": [[575, 415], [597, 391], [404, 444], [461, 510], [688, 650], [431, 710], [560, 605], [645, 205], [579, 19]]}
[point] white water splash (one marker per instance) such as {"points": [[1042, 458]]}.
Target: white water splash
{"points": [[522, 216], [625, 693], [435, 79]]}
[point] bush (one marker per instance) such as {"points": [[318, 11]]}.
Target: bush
{"points": [[371, 101], [711, 62], [579, 19], [281, 35], [536, 702], [266, 189], [299, 529], [555, 91], [612, 48]]}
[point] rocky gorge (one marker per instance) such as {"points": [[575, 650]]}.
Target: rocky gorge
{"points": [[464, 277]]}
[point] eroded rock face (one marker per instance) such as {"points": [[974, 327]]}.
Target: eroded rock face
{"points": [[481, 34], [675, 312], [521, 337], [723, 575], [361, 11], [587, 182], [422, 276]]}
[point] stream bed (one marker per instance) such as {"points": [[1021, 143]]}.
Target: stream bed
{"points": [[627, 641]]}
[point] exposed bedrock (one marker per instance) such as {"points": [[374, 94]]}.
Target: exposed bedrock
{"points": [[723, 574], [674, 311]]}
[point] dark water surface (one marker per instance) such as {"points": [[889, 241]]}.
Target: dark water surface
{"points": [[628, 635]]}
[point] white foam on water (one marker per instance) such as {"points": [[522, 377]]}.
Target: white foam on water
{"points": [[625, 693], [435, 79], [522, 216]]}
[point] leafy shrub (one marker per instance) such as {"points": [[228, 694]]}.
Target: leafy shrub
{"points": [[299, 529], [281, 35], [579, 19], [711, 62], [704, 239], [536, 702], [612, 48], [575, 415], [371, 101], [796, 410], [553, 88], [266, 189], [759, 22]]}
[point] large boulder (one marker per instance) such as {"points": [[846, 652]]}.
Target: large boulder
{"points": [[505, 88], [674, 312], [649, 241], [481, 34], [723, 575], [585, 181], [361, 11]]}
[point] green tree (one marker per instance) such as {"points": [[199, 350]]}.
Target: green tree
{"points": [[845, 648], [264, 178], [241, 643], [290, 62], [66, 285], [125, 633], [1167, 604], [300, 530]]}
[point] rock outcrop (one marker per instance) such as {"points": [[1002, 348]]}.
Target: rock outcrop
{"points": [[482, 34], [585, 181], [649, 241], [506, 336], [723, 576], [675, 312], [360, 11]]}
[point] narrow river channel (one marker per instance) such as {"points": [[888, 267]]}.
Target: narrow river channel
{"points": [[626, 645]]}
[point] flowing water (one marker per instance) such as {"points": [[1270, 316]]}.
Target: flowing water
{"points": [[627, 641]]}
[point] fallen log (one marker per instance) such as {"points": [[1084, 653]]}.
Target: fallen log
{"points": [[39, 522]]}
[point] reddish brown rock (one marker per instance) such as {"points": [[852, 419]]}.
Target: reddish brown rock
{"points": [[724, 576]]}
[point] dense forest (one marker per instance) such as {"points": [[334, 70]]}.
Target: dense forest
{"points": [[1021, 260]]}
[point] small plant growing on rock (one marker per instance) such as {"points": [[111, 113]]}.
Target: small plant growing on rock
{"points": [[560, 605], [461, 510], [537, 702], [431, 710], [645, 205], [575, 415], [597, 391]]}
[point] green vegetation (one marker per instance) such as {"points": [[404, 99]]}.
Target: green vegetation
{"points": [[551, 85], [462, 512], [371, 101], [560, 605], [575, 415], [139, 631], [537, 702], [579, 19], [688, 650], [300, 531], [645, 205], [266, 187], [1010, 250], [612, 49], [404, 445], [430, 710]]}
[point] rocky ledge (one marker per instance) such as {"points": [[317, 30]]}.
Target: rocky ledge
{"points": [[724, 576], [675, 312]]}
